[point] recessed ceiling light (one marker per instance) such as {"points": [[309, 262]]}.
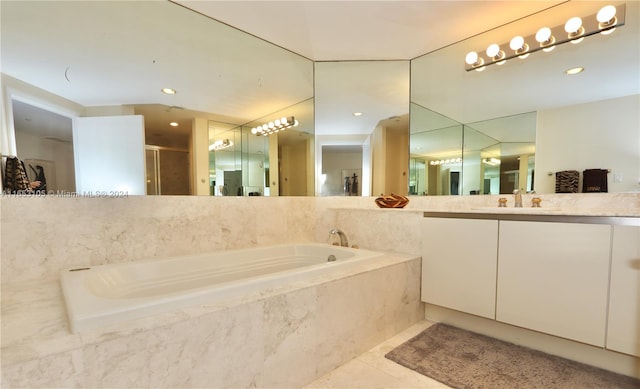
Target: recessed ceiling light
{"points": [[357, 114], [574, 71], [169, 91], [173, 124]]}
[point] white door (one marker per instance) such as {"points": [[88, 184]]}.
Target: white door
{"points": [[109, 155]]}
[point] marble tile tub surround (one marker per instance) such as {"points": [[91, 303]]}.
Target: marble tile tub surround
{"points": [[308, 329]]}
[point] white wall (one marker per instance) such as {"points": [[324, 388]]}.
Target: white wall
{"points": [[334, 161], [61, 153], [603, 134]]}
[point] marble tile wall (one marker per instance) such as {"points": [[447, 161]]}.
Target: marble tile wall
{"points": [[43, 235]]}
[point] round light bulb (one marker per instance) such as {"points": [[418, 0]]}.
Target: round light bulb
{"points": [[471, 58], [573, 25], [493, 50], [543, 34], [254, 131], [516, 43], [606, 14]]}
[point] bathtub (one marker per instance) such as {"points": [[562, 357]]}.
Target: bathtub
{"points": [[101, 295]]}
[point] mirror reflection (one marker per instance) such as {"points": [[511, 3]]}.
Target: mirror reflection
{"points": [[578, 122], [115, 65], [436, 153], [242, 163], [499, 155], [362, 112]]}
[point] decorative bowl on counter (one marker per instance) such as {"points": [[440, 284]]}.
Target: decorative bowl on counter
{"points": [[391, 201]]}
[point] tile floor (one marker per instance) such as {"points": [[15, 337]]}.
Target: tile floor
{"points": [[372, 370]]}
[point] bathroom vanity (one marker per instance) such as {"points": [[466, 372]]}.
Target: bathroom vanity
{"points": [[574, 277]]}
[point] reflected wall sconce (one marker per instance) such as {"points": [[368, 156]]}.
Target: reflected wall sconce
{"points": [[491, 161], [220, 144], [445, 161], [275, 126], [546, 39]]}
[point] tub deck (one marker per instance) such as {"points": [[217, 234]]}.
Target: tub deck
{"points": [[35, 324], [108, 294]]}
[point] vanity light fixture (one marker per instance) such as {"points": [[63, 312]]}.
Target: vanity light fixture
{"points": [[491, 161], [220, 144], [275, 126], [605, 21], [169, 91]]}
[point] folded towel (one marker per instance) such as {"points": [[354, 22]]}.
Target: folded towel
{"points": [[594, 180], [567, 181]]}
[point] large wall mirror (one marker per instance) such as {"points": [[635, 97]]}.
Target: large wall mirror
{"points": [[362, 127], [108, 59], [515, 125], [471, 132]]}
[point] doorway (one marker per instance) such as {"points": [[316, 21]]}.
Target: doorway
{"points": [[44, 142]]}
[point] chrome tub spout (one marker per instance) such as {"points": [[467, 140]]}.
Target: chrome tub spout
{"points": [[344, 241]]}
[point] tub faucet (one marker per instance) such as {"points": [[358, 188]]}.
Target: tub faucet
{"points": [[518, 198], [344, 241]]}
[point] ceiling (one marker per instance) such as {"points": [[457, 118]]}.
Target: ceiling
{"points": [[365, 30]]}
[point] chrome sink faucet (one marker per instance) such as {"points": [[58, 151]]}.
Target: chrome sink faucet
{"points": [[344, 241], [518, 198]]}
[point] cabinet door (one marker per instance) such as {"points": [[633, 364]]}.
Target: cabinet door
{"points": [[459, 264], [553, 278], [623, 329]]}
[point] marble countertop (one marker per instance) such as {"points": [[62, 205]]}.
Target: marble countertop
{"points": [[566, 204], [545, 211]]}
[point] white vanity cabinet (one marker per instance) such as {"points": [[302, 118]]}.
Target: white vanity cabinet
{"points": [[623, 329], [459, 264], [554, 278]]}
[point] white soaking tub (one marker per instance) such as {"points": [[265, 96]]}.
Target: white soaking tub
{"points": [[106, 294]]}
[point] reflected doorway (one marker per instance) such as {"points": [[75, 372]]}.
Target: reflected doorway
{"points": [[44, 142], [341, 171], [167, 171]]}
